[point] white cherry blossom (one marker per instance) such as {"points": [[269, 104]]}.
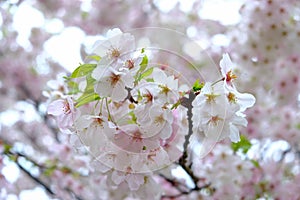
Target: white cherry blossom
{"points": [[216, 113], [92, 131], [244, 100], [167, 86], [118, 45], [65, 112], [112, 83], [226, 66]]}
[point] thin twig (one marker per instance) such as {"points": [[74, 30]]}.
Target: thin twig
{"points": [[37, 180], [174, 183], [186, 192]]}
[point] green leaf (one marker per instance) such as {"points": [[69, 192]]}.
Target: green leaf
{"points": [[133, 118], [90, 84], [298, 126], [143, 50], [197, 85], [94, 57], [243, 145], [73, 87], [150, 80], [255, 163], [87, 98], [67, 78], [148, 72], [13, 157], [7, 148], [83, 70], [139, 74], [49, 171], [144, 64]]}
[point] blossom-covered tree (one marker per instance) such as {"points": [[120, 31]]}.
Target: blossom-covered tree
{"points": [[154, 107]]}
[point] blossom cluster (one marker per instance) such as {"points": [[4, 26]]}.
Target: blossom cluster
{"points": [[36, 157], [131, 115]]}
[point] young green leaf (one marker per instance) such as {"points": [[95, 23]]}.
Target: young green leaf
{"points": [[133, 118], [255, 163], [87, 98], [243, 145], [90, 84], [197, 85], [73, 87], [94, 57], [83, 70], [144, 64], [148, 72]]}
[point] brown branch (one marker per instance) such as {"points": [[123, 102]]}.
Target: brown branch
{"points": [[37, 180], [187, 102], [185, 192]]}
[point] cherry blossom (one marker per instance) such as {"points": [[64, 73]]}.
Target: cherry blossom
{"points": [[219, 117], [134, 121], [168, 85], [65, 112], [112, 82], [227, 70], [116, 45]]}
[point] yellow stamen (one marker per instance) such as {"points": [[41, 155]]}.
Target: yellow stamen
{"points": [[231, 97], [211, 98]]}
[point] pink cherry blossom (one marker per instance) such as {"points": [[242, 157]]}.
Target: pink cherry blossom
{"points": [[65, 112]]}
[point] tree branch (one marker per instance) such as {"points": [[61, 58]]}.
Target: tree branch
{"points": [[187, 102], [185, 192], [37, 180]]}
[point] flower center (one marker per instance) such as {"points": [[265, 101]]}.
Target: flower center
{"points": [[66, 107], [129, 64], [164, 89], [159, 119], [114, 53], [211, 98], [230, 76], [99, 121], [214, 120], [114, 78], [148, 96], [231, 97]]}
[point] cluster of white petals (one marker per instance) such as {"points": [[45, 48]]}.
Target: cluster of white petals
{"points": [[218, 109], [132, 118]]}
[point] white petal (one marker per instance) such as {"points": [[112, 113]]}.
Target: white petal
{"points": [[83, 122], [159, 76], [103, 88], [99, 72], [225, 64], [135, 181], [166, 132], [246, 101], [234, 133], [56, 107], [119, 93], [101, 47], [155, 111], [240, 121], [128, 80], [113, 32], [117, 177]]}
